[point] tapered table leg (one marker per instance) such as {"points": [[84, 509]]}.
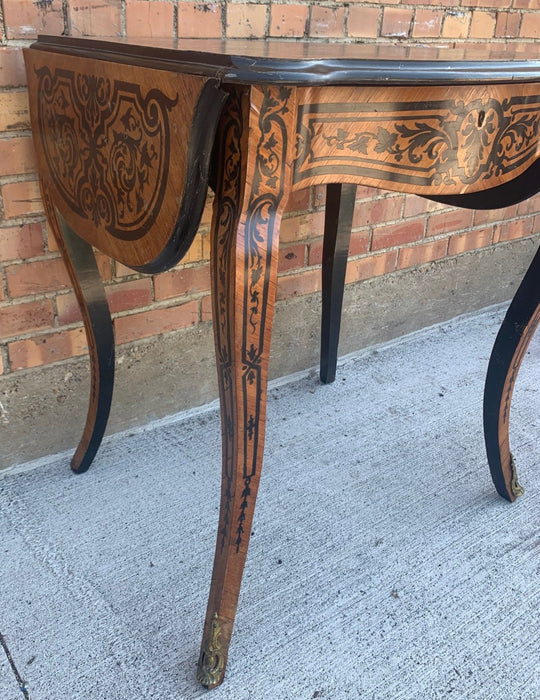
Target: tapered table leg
{"points": [[510, 346], [83, 272], [250, 197], [337, 235]]}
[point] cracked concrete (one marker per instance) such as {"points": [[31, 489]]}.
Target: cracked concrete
{"points": [[21, 683]]}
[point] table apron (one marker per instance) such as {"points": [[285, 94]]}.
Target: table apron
{"points": [[422, 140]]}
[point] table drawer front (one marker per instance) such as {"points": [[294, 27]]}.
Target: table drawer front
{"points": [[430, 140]]}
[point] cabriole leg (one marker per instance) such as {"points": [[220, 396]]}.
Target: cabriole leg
{"points": [[82, 268], [337, 234], [510, 346], [249, 202]]}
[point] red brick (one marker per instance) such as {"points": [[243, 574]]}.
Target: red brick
{"points": [[320, 195], [489, 3], [120, 297], [21, 199], [528, 206], [36, 277], [489, 216], [25, 241], [299, 284], [23, 318], [12, 71], [205, 245], [421, 254], [363, 22], [299, 200], [415, 206], [24, 19], [129, 295], [315, 252], [67, 309], [184, 280], [507, 25], [206, 216], [527, 4], [386, 2], [95, 17], [103, 261], [326, 22], [482, 25], [149, 19], [206, 308], [440, 3], [510, 230], [397, 234], [396, 22], [530, 26], [17, 156], [199, 20], [473, 240], [1, 364], [372, 266], [122, 270], [52, 245], [368, 192], [376, 211], [45, 349], [155, 322], [449, 221], [358, 2], [359, 243], [246, 20], [104, 265], [461, 50], [456, 25], [195, 253], [14, 114], [291, 257], [427, 23], [297, 228], [288, 20]]}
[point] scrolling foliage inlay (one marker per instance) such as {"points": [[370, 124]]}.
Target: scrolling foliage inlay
{"points": [[266, 197], [107, 148], [420, 143], [230, 188], [264, 200]]}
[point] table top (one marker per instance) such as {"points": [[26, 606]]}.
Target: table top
{"points": [[316, 63]]}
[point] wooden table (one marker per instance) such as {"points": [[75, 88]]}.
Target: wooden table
{"points": [[128, 136]]}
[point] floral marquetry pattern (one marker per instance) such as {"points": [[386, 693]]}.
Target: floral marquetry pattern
{"points": [[262, 230], [421, 144], [230, 137], [107, 148], [251, 194]]}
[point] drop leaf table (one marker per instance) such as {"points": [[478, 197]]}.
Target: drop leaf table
{"points": [[129, 134]]}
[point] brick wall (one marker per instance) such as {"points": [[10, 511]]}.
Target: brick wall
{"points": [[39, 319]]}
